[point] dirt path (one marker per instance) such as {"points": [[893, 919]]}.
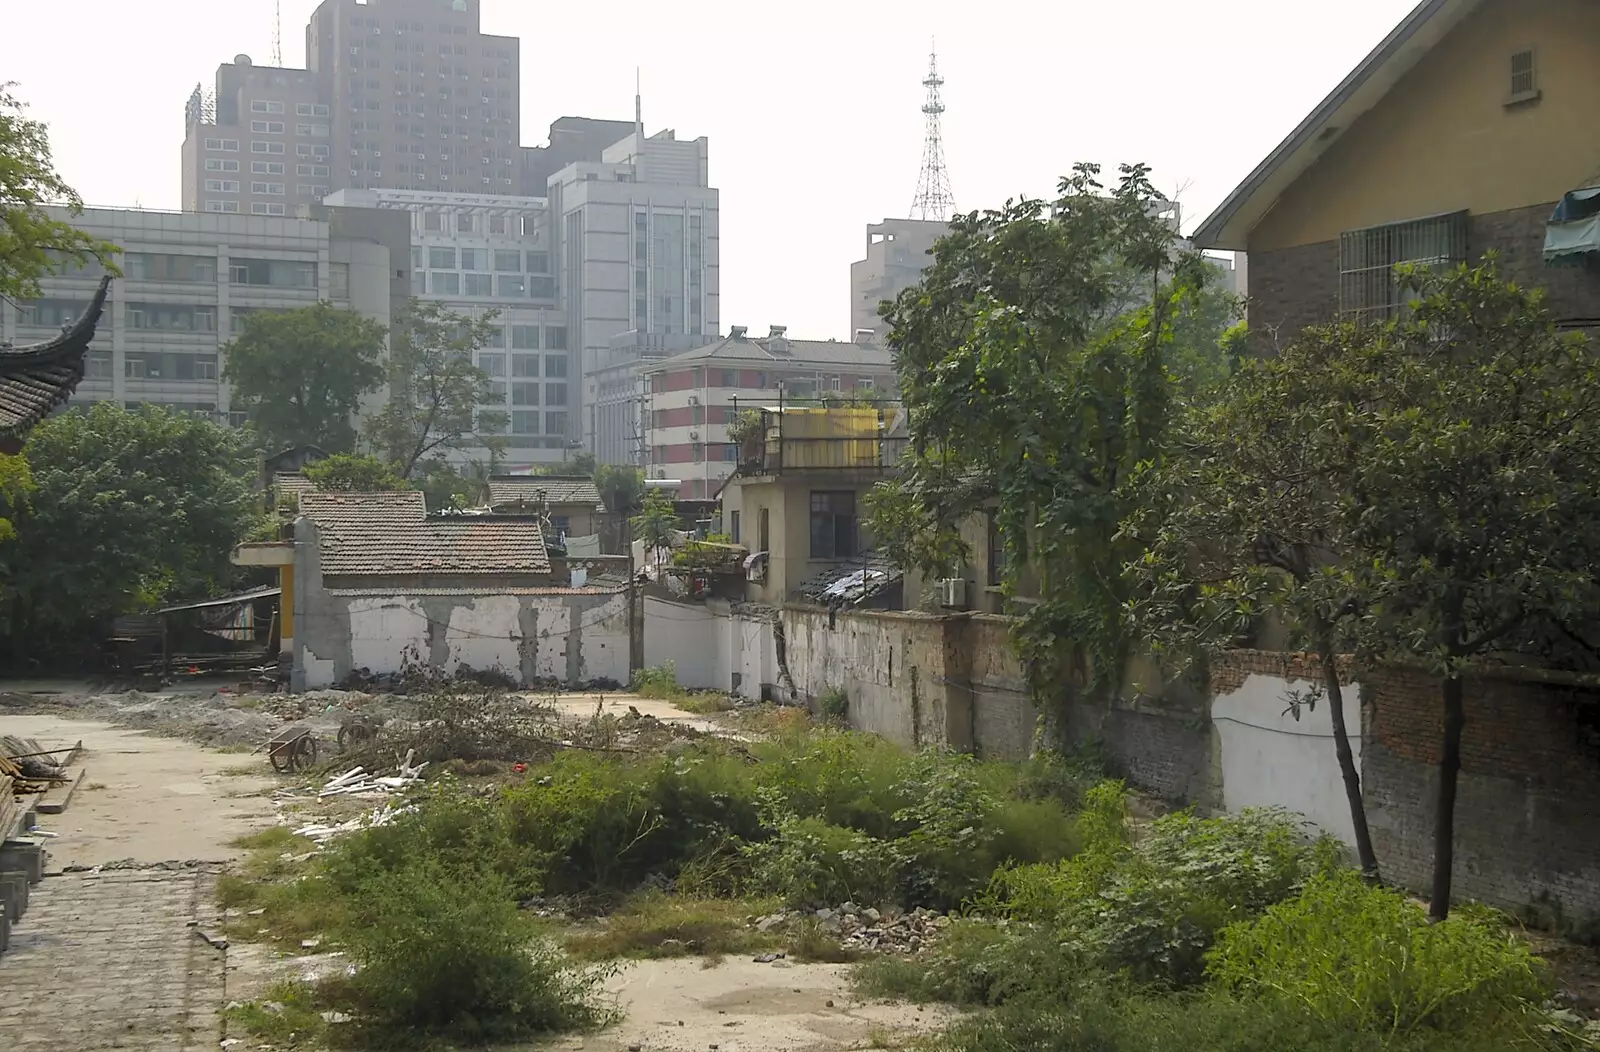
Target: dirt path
{"points": [[146, 798], [741, 1006]]}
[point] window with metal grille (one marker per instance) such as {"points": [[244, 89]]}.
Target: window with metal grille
{"points": [[1524, 82], [1368, 288]]}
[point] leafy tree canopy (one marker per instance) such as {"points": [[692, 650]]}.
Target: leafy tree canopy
{"points": [[32, 244], [352, 473], [621, 487], [1040, 361], [436, 390], [300, 374], [129, 509]]}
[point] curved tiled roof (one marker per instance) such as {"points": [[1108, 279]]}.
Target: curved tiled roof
{"points": [[377, 534], [36, 379]]}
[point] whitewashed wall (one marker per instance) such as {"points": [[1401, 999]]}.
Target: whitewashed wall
{"points": [[1270, 759], [708, 644], [531, 638]]}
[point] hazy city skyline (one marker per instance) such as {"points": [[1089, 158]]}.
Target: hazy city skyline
{"points": [[814, 122]]}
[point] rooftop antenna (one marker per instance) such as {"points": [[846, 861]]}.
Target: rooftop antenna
{"points": [[934, 199], [638, 104], [277, 33]]}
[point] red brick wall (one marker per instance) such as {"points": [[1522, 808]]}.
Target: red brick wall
{"points": [[1295, 287], [1526, 822]]}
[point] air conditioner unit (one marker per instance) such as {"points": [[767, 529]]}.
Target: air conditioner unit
{"points": [[953, 593], [694, 436], [694, 399]]}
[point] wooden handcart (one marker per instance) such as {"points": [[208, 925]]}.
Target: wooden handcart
{"points": [[292, 749]]}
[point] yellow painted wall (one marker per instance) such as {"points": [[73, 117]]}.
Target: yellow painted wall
{"points": [[1443, 140]]}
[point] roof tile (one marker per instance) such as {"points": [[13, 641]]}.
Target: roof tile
{"points": [[375, 534]]}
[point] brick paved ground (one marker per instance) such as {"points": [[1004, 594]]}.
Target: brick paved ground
{"points": [[111, 961]]}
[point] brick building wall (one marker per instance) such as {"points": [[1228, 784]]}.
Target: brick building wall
{"points": [[1526, 818], [1292, 288]]}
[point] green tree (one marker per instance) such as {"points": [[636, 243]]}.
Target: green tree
{"points": [[353, 473], [1036, 359], [621, 487], [129, 509], [435, 390], [656, 525], [446, 487], [1470, 444], [1247, 519], [300, 374], [32, 244]]}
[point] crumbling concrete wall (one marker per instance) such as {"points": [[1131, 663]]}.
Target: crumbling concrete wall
{"points": [[919, 679], [569, 636]]}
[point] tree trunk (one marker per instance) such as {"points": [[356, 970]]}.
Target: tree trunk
{"points": [[1445, 807], [1347, 767]]}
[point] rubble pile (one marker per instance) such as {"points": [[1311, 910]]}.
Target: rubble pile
{"points": [[866, 928]]}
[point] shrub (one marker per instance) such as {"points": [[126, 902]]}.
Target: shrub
{"points": [[813, 863], [834, 704], [445, 951], [660, 682], [1152, 906], [978, 963], [1365, 958]]}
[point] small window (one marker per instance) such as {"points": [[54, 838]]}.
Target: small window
{"points": [[833, 525], [1524, 77]]}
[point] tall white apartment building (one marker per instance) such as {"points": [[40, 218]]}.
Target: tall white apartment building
{"points": [[189, 278], [636, 240], [481, 253]]}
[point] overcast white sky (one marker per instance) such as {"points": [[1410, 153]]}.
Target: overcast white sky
{"points": [[813, 110]]}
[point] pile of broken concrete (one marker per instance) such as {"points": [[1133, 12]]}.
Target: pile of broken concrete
{"points": [[866, 928]]}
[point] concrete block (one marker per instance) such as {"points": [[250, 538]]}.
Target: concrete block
{"points": [[14, 887], [25, 855]]}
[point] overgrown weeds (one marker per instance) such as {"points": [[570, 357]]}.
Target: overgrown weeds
{"points": [[1366, 958], [655, 924]]}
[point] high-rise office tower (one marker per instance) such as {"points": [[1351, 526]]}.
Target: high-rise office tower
{"points": [[398, 94]]}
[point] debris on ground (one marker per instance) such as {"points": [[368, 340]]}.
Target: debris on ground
{"points": [[866, 928], [321, 833], [357, 781]]}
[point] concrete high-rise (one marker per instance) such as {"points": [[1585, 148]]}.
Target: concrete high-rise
{"points": [[636, 243], [188, 283], [397, 94], [897, 254], [421, 98]]}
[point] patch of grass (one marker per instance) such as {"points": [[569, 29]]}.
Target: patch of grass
{"points": [[705, 703], [291, 911], [274, 838], [243, 770], [1107, 1017], [655, 924], [286, 1016], [235, 748]]}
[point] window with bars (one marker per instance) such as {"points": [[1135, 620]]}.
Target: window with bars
{"points": [[1368, 287], [1524, 77]]}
